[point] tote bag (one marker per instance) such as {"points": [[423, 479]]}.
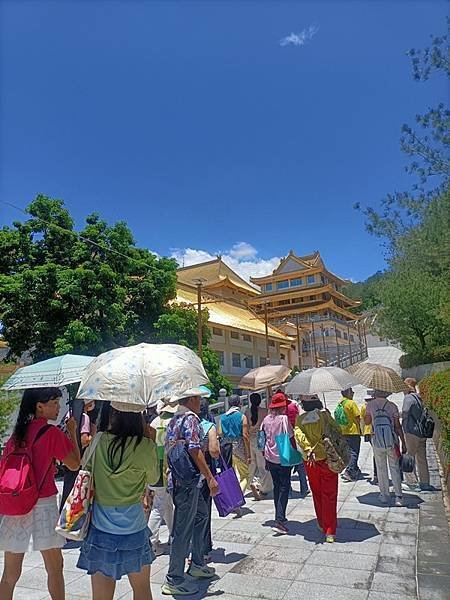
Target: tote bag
{"points": [[289, 456], [75, 517], [230, 495]]}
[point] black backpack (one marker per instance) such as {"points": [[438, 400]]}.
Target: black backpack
{"points": [[419, 422]]}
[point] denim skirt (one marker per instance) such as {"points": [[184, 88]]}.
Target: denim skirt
{"points": [[115, 555]]}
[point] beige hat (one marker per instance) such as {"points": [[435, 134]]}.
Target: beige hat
{"points": [[195, 391], [128, 407], [166, 406]]}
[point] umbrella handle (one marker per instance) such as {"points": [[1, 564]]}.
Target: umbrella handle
{"points": [[324, 401]]}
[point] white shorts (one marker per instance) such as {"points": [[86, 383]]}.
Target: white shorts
{"points": [[33, 531]]}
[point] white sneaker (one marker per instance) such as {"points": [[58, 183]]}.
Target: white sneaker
{"points": [[410, 487]]}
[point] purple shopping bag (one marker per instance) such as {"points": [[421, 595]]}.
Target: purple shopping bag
{"points": [[230, 495]]}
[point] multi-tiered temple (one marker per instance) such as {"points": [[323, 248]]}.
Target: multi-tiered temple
{"points": [[305, 299]]}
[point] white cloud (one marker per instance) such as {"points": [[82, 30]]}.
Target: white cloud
{"points": [[243, 250], [300, 39], [241, 257]]}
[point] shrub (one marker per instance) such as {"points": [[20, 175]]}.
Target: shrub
{"points": [[439, 354], [435, 392]]}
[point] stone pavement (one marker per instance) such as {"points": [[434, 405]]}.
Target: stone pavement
{"points": [[381, 553]]}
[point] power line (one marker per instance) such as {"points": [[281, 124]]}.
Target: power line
{"points": [[81, 237]]}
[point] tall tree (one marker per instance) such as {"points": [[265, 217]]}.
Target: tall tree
{"points": [[179, 324], [427, 146], [87, 291]]}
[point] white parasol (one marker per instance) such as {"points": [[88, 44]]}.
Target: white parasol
{"points": [[143, 374]]}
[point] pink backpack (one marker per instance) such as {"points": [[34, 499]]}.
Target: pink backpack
{"points": [[19, 491]]}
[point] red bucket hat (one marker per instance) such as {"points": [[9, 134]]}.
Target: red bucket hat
{"points": [[278, 400]]}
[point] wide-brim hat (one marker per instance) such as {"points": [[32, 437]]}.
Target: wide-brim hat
{"points": [[166, 406], [200, 390], [278, 400]]}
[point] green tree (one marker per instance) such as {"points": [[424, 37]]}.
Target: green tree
{"points": [[67, 291], [415, 294], [179, 324], [427, 146], [367, 291]]}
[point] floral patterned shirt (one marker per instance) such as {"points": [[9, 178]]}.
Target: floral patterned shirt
{"points": [[187, 429]]}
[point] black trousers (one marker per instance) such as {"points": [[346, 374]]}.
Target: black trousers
{"points": [[281, 477]]}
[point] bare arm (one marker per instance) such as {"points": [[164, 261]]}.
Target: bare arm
{"points": [[73, 459], [150, 432], [213, 443], [399, 431], [199, 459], [246, 436]]}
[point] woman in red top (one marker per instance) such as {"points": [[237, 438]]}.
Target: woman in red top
{"points": [[36, 529]]}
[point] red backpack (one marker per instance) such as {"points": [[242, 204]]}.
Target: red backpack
{"points": [[19, 491]]}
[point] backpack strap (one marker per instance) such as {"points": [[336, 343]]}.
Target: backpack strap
{"points": [[40, 433]]}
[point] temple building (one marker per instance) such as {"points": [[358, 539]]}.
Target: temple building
{"points": [[304, 299], [239, 336]]}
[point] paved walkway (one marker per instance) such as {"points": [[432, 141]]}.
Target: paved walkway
{"points": [[380, 552]]}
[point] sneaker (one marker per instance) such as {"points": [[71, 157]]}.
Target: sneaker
{"points": [[384, 499], [399, 501], [410, 487], [329, 539], [426, 487], [179, 590], [280, 528], [204, 572]]}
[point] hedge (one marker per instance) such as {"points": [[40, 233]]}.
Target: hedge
{"points": [[435, 392], [440, 354]]}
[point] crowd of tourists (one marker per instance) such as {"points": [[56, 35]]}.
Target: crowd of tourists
{"points": [[140, 479]]}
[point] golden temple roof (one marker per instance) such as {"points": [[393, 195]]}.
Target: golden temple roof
{"points": [[230, 314], [213, 273]]}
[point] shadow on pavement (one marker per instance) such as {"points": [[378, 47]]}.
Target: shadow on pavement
{"points": [[218, 556], [411, 501]]}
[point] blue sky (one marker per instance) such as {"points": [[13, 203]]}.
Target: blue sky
{"points": [[192, 122]]}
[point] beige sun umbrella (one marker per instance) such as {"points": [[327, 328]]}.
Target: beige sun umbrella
{"points": [[378, 377], [264, 377]]}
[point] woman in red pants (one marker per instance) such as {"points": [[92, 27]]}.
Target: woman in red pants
{"points": [[323, 482]]}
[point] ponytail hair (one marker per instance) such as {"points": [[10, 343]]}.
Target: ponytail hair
{"points": [[255, 401], [27, 409], [124, 426]]}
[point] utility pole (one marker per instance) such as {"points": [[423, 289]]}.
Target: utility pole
{"points": [[360, 340], [337, 346], [314, 343], [199, 283], [349, 343], [299, 346], [266, 324], [323, 346]]}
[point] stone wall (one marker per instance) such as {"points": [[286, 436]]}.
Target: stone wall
{"points": [[421, 371]]}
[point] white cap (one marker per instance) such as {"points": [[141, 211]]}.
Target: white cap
{"points": [[195, 391]]}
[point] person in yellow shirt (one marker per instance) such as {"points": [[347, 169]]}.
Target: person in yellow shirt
{"points": [[348, 417], [367, 433], [309, 428]]}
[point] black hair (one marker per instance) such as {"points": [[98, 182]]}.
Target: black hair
{"points": [[124, 426], [27, 409], [255, 401], [204, 409], [234, 400], [309, 405]]}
